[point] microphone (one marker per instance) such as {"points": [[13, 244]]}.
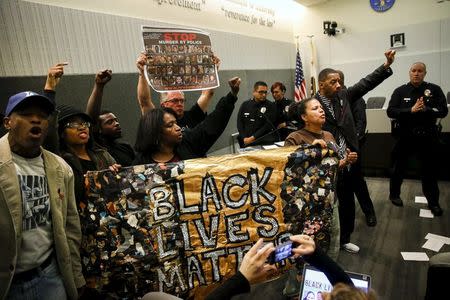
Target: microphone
{"points": [[274, 129], [427, 94], [291, 126]]}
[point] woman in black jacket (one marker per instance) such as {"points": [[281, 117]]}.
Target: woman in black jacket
{"points": [[78, 149], [160, 140]]}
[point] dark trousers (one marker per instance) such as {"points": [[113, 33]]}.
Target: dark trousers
{"points": [[346, 205], [427, 151], [360, 187]]}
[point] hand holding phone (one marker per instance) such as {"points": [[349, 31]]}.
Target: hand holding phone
{"points": [[305, 245], [254, 266], [282, 252]]}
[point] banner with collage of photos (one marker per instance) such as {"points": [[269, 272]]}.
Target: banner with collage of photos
{"points": [[183, 228], [179, 59]]}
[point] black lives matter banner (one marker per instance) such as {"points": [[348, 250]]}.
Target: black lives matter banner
{"points": [[183, 228], [179, 59]]}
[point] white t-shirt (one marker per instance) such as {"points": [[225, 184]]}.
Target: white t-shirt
{"points": [[37, 234]]}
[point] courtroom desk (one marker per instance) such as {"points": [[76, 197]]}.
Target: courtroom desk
{"points": [[376, 153]]}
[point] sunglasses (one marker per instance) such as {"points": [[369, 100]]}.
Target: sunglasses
{"points": [[77, 125]]}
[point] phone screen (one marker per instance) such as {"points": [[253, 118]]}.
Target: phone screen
{"points": [[281, 252]]}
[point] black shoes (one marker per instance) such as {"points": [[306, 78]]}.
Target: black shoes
{"points": [[371, 220], [436, 210], [396, 201]]}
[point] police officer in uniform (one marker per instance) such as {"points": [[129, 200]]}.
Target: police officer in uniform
{"points": [[256, 119], [415, 107], [278, 90]]}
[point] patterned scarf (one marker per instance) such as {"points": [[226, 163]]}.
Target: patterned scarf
{"points": [[342, 145]]}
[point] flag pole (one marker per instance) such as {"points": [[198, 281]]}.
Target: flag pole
{"points": [[299, 83], [313, 71]]}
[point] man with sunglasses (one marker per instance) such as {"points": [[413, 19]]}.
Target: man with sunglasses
{"points": [[256, 119]]}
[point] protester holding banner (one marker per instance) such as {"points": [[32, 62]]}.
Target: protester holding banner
{"points": [[339, 121], [310, 115], [160, 139], [174, 100]]}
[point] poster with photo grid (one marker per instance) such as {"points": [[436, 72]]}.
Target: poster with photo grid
{"points": [[179, 59]]}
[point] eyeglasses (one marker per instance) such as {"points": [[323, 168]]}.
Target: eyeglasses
{"points": [[262, 92], [77, 125], [176, 101]]}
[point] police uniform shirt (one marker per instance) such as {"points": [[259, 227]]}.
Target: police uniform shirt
{"points": [[256, 118], [404, 98]]}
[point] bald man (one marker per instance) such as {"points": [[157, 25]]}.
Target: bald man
{"points": [[415, 107]]}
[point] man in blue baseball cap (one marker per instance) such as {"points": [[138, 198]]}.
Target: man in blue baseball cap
{"points": [[40, 225]]}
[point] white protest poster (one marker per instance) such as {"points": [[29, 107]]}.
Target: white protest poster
{"points": [[179, 59]]}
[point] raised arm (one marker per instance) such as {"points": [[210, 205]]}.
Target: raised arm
{"points": [[51, 142], [54, 76], [143, 89], [372, 80], [206, 96], [94, 103], [205, 134], [204, 99]]}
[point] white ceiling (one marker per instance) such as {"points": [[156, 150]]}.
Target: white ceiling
{"points": [[310, 2]]}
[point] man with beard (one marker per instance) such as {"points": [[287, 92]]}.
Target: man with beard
{"points": [[339, 121], [40, 233]]}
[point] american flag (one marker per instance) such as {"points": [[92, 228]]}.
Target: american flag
{"points": [[300, 85]]}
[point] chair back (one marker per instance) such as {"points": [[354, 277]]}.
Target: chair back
{"points": [[438, 276], [375, 102]]}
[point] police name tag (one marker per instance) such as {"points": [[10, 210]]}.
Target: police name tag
{"points": [[406, 99]]}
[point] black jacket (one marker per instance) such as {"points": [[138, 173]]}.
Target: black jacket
{"points": [[192, 117], [404, 98], [257, 119], [360, 117], [342, 101], [197, 141]]}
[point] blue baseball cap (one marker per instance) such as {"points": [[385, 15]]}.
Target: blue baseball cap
{"points": [[28, 97]]}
